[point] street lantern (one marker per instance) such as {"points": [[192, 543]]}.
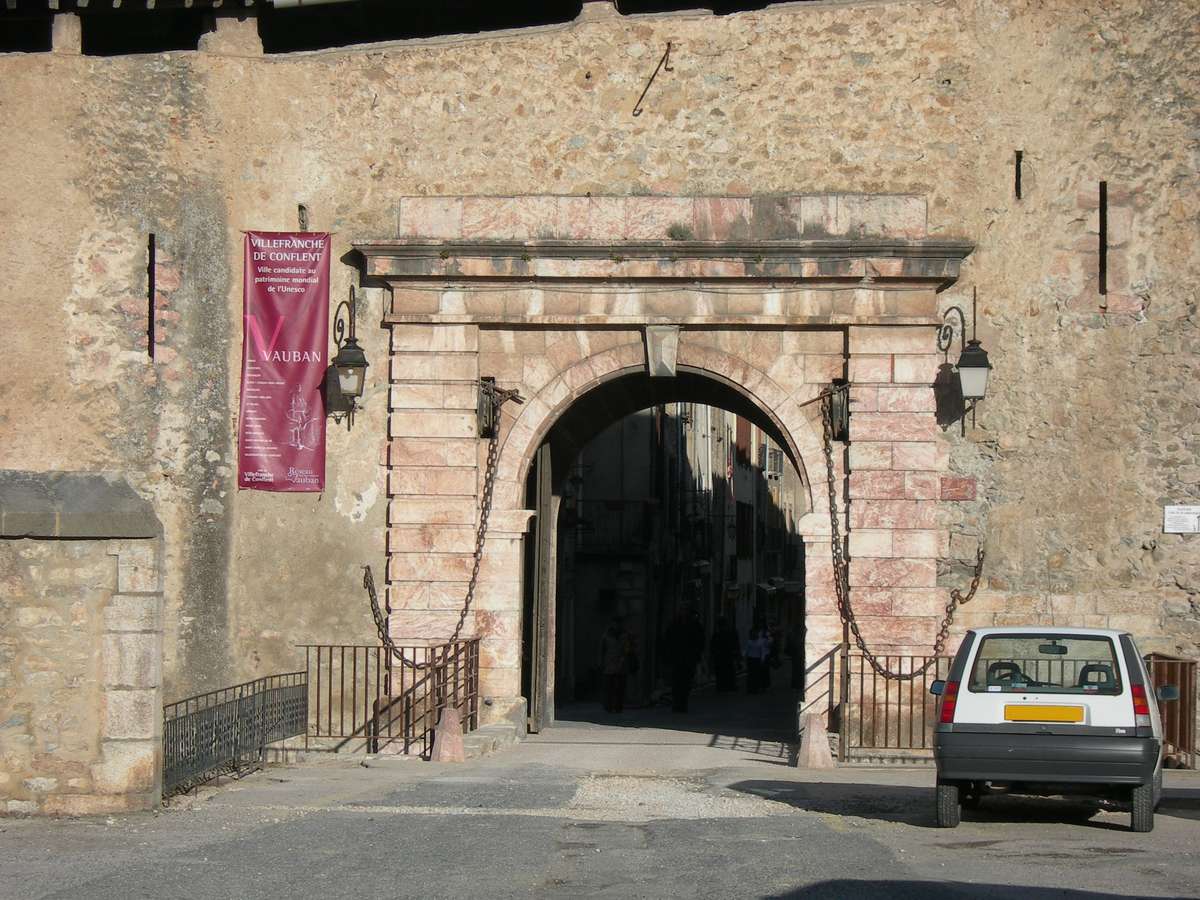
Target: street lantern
{"points": [[346, 376], [973, 368]]}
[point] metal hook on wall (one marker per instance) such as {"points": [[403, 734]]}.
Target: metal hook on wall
{"points": [[664, 65]]}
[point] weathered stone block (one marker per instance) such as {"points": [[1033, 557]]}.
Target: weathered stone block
{"points": [[867, 543], [431, 511], [906, 399], [916, 514], [914, 369], [920, 544], [133, 613], [931, 456], [410, 451], [922, 486], [866, 455], [882, 339], [886, 485], [435, 366], [426, 538], [132, 660], [893, 427], [893, 572], [441, 482], [431, 217], [433, 423], [127, 767], [430, 566], [131, 714], [957, 487], [870, 369]]}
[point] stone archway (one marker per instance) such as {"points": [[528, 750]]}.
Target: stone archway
{"points": [[551, 296]]}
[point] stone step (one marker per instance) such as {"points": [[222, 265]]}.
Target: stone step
{"points": [[489, 739]]}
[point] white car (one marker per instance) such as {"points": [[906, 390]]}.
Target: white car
{"points": [[1049, 711]]}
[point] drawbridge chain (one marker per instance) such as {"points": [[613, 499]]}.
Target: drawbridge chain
{"points": [[841, 575], [492, 398]]}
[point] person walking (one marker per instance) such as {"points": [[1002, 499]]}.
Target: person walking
{"points": [[758, 651], [724, 653], [684, 646], [615, 653]]}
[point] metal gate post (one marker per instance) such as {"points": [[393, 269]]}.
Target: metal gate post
{"points": [[844, 696]]}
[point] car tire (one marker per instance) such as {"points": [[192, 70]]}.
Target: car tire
{"points": [[1141, 808], [949, 811]]}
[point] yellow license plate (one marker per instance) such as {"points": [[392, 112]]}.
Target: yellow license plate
{"points": [[1015, 712]]}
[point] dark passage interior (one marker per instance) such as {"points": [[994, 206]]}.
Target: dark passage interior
{"points": [[666, 541]]}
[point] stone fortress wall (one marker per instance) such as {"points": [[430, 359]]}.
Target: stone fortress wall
{"points": [[1090, 425]]}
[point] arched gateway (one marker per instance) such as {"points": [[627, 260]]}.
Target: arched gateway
{"points": [[755, 304]]}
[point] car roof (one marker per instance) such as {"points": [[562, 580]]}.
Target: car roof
{"points": [[1049, 629]]}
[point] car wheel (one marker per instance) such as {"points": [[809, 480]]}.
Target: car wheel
{"points": [[949, 811], [1141, 803]]}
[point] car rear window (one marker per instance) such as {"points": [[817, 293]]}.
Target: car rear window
{"points": [[1050, 663]]}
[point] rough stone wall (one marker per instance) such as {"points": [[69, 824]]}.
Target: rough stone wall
{"points": [[80, 676], [1091, 424]]}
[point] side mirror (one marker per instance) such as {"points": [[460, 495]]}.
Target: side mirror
{"points": [[937, 687], [1167, 693]]}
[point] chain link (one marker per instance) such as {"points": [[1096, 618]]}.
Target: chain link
{"points": [[841, 577], [499, 397]]}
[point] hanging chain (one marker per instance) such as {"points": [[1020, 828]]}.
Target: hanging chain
{"points": [[841, 577], [497, 397]]}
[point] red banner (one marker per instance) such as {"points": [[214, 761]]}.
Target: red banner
{"points": [[285, 339]]}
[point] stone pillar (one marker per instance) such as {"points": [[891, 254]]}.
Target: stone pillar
{"points": [[131, 700], [433, 478], [499, 602], [66, 34], [896, 458], [81, 676]]}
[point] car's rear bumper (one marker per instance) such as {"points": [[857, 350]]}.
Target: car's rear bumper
{"points": [[1066, 759]]}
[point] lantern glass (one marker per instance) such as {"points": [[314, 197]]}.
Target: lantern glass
{"points": [[973, 369], [973, 381], [350, 380]]}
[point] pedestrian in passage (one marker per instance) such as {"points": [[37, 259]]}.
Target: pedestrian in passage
{"points": [[615, 652], [684, 648], [724, 652], [758, 651]]}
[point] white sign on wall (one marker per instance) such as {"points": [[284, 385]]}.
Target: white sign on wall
{"points": [[1181, 519]]}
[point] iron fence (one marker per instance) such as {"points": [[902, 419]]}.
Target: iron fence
{"points": [[884, 714], [1178, 716], [879, 714], [228, 730], [360, 701]]}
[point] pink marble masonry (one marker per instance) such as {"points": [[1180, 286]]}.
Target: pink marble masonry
{"points": [[893, 427], [546, 217]]}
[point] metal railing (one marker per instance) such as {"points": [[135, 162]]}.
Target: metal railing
{"points": [[879, 714], [1178, 716], [882, 714], [228, 730], [360, 702]]}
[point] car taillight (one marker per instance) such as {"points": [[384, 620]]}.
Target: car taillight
{"points": [[949, 699], [1141, 706]]}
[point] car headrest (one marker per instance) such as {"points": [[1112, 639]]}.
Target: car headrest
{"points": [[1106, 679]]}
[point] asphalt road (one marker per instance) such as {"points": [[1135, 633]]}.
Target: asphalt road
{"points": [[631, 809]]}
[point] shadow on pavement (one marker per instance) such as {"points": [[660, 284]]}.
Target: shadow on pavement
{"points": [[950, 890], [1181, 803], [914, 805]]}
